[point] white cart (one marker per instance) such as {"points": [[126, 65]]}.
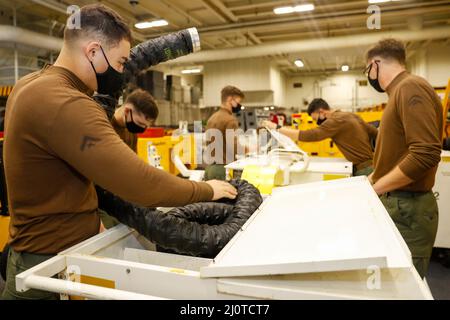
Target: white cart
{"points": [[323, 240]]}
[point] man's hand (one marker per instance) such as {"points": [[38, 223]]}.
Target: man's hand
{"points": [[269, 124], [222, 189], [102, 228]]}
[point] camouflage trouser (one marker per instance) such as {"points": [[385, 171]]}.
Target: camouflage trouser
{"points": [[107, 220], [19, 262], [416, 217], [364, 172], [215, 172]]}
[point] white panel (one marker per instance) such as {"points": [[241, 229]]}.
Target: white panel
{"points": [[441, 187], [317, 227], [383, 284]]}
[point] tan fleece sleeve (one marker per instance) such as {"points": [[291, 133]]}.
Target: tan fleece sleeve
{"points": [[326, 130], [83, 137], [371, 130], [422, 133]]}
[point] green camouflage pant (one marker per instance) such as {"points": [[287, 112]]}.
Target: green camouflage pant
{"points": [[416, 217], [19, 262], [215, 172], [364, 172]]}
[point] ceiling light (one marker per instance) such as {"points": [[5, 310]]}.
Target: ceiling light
{"points": [[191, 71], [299, 63], [345, 68], [291, 9], [151, 24], [381, 1], [304, 8], [283, 10]]}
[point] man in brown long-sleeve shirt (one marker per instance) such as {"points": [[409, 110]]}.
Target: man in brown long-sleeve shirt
{"points": [[225, 124], [58, 141], [408, 149], [351, 134]]}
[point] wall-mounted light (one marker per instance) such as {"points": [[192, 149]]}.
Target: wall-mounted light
{"points": [[151, 24], [299, 63], [292, 9], [191, 71], [345, 68]]}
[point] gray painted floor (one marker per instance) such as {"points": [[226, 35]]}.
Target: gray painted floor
{"points": [[438, 280]]}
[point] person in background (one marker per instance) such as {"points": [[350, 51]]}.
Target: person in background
{"points": [[351, 134], [408, 148], [224, 120], [138, 113]]}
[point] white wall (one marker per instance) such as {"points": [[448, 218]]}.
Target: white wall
{"points": [[246, 74], [341, 90], [278, 84], [438, 64]]}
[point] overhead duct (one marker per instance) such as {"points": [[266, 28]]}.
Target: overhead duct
{"points": [[364, 39], [11, 34]]}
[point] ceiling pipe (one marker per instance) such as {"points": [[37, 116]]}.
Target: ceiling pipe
{"points": [[272, 48], [11, 34]]}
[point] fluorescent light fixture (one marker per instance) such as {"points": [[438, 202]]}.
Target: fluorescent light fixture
{"points": [[381, 1], [345, 68], [283, 10], [266, 108], [304, 8], [191, 71], [151, 24], [299, 63], [291, 9]]}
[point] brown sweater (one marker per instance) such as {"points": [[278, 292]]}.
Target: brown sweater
{"points": [[224, 120], [129, 138], [410, 132], [58, 141], [350, 133]]}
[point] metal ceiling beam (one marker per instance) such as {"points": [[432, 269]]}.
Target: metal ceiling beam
{"points": [[213, 11], [312, 45], [224, 9], [323, 19], [171, 6]]}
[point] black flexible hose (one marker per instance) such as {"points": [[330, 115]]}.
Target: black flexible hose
{"points": [[200, 229]]}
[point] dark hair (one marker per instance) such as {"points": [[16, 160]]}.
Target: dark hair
{"points": [[317, 104], [230, 91], [100, 22], [389, 49], [143, 102]]}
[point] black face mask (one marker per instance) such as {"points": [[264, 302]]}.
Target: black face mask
{"points": [[375, 83], [133, 127], [237, 108], [109, 82], [320, 121]]}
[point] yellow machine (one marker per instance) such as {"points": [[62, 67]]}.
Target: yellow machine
{"points": [[185, 147]]}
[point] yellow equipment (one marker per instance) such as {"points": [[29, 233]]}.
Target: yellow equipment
{"points": [[184, 145], [4, 231]]}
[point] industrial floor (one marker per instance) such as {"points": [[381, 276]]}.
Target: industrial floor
{"points": [[438, 280]]}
